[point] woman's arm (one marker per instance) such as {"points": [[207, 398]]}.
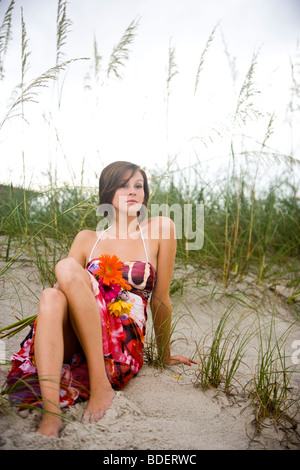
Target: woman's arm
{"points": [[160, 301], [79, 247], [78, 250]]}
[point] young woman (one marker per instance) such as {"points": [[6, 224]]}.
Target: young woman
{"points": [[88, 337]]}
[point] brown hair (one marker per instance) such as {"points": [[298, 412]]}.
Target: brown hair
{"points": [[112, 177]]}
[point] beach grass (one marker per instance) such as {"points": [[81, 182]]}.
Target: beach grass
{"points": [[251, 224], [54, 216], [272, 379]]}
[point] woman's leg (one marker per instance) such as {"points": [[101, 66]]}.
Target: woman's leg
{"points": [[74, 281], [54, 340]]}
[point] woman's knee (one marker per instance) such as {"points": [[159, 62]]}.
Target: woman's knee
{"points": [[68, 271], [52, 301]]}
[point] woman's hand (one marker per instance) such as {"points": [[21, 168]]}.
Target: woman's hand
{"points": [[178, 359]]}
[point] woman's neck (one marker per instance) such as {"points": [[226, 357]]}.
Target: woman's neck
{"points": [[124, 227]]}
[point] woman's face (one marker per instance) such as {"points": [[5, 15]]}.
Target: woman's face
{"points": [[130, 195]]}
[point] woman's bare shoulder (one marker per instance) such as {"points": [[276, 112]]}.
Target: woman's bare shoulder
{"points": [[161, 227], [161, 221], [84, 240], [82, 245], [85, 235]]}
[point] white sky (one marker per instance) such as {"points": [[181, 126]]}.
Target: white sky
{"points": [[129, 122]]}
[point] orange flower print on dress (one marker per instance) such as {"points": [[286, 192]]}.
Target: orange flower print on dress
{"points": [[110, 276], [110, 270]]}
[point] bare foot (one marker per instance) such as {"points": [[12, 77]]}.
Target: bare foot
{"points": [[98, 405], [50, 425]]}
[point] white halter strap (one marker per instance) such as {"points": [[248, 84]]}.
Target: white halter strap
{"points": [[142, 235]]}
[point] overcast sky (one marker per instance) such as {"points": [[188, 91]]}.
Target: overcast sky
{"points": [[126, 119]]}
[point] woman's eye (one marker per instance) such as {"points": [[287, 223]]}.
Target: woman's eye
{"points": [[124, 185]]}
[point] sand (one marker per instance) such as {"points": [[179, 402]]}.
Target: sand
{"points": [[166, 409]]}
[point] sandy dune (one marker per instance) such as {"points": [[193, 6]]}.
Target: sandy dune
{"points": [[167, 409]]}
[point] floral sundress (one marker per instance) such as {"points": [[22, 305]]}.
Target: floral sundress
{"points": [[123, 310]]}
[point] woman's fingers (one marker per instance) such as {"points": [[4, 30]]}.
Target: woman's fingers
{"points": [[178, 359]]}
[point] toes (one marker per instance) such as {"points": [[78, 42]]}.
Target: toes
{"points": [[86, 418], [96, 417], [90, 418]]}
